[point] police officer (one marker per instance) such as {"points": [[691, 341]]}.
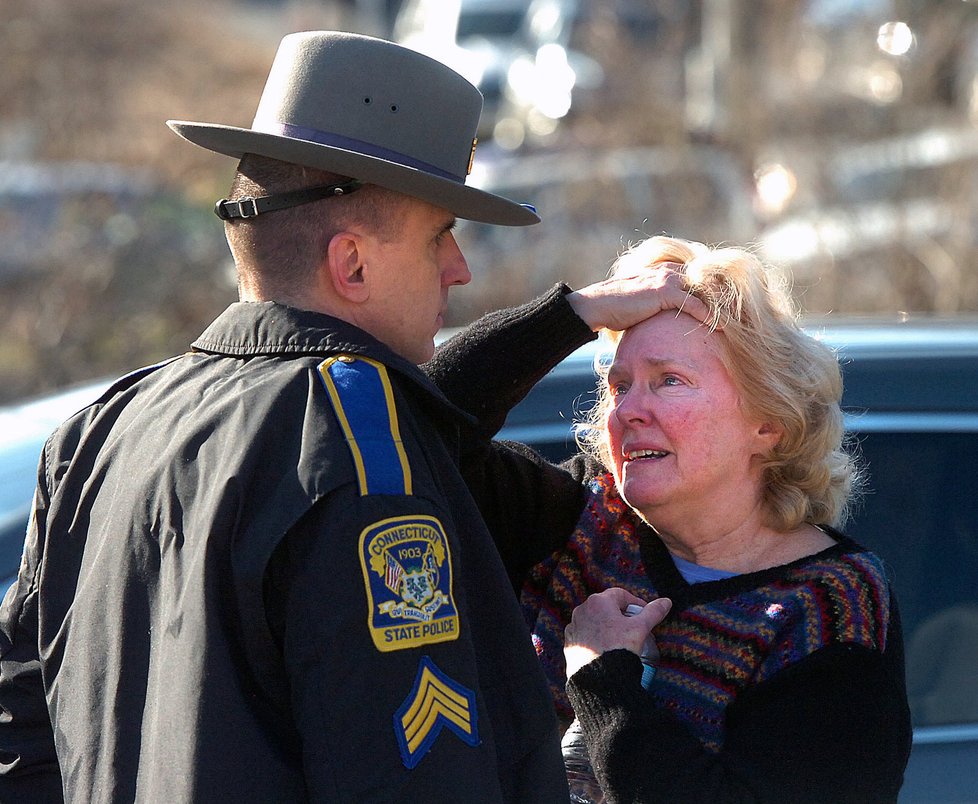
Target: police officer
{"points": [[254, 572]]}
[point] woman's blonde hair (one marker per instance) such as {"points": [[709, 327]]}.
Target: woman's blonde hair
{"points": [[783, 375]]}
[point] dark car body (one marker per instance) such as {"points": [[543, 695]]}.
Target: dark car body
{"points": [[911, 407]]}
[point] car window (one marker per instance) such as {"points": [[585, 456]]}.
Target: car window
{"points": [[920, 514], [547, 418]]}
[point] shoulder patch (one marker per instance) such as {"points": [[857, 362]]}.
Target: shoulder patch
{"points": [[435, 702], [407, 570], [360, 392]]}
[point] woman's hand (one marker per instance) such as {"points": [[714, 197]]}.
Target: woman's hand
{"points": [[599, 624]]}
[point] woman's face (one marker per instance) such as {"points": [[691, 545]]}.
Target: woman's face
{"points": [[680, 444]]}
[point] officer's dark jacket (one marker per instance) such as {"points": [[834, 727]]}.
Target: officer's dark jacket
{"points": [[254, 574]]}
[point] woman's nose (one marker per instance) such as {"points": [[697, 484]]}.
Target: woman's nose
{"points": [[633, 406]]}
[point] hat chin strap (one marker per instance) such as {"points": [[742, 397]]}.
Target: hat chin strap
{"points": [[249, 207]]}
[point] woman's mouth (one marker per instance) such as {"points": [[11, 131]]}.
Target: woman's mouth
{"points": [[639, 454]]}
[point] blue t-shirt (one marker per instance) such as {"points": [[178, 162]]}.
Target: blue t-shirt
{"points": [[696, 573]]}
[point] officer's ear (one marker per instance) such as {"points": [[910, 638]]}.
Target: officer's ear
{"points": [[345, 262]]}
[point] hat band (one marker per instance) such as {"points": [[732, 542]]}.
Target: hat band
{"points": [[355, 145]]}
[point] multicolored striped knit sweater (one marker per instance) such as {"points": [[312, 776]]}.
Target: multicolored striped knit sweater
{"points": [[722, 636]]}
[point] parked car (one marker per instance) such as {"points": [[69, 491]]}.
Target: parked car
{"points": [[24, 427], [911, 404]]}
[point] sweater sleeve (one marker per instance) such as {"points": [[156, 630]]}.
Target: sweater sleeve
{"points": [[529, 504], [491, 365], [832, 727]]}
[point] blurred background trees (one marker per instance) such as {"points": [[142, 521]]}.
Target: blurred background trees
{"points": [[836, 137]]}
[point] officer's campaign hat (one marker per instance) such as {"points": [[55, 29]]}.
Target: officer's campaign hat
{"points": [[372, 111]]}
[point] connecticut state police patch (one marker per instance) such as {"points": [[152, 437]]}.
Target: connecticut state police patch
{"points": [[407, 570]]}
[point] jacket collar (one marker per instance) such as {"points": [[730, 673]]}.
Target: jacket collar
{"points": [[268, 328], [249, 329]]}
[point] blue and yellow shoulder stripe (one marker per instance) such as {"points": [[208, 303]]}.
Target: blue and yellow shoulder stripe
{"points": [[363, 399]]}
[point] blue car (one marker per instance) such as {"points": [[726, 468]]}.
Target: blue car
{"points": [[24, 428]]}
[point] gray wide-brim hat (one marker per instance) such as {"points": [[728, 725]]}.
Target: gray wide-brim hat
{"points": [[369, 110]]}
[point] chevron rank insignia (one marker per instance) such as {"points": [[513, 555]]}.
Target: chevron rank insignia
{"points": [[436, 702], [407, 570]]}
